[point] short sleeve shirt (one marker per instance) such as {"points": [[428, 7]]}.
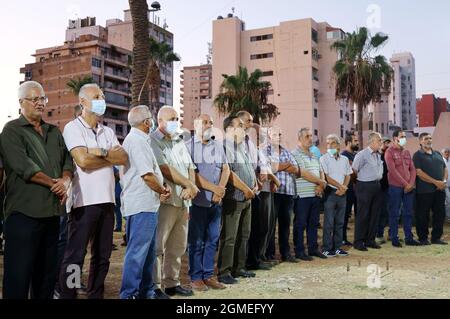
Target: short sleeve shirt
{"points": [[337, 168], [91, 187], [309, 162], [431, 164]]}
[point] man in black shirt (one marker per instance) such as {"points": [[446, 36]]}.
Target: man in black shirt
{"points": [[351, 148], [432, 174]]}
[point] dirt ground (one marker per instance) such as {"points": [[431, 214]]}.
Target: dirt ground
{"points": [[409, 272]]}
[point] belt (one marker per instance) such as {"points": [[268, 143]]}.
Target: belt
{"points": [[371, 182]]}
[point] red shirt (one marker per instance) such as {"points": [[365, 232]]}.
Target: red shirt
{"points": [[401, 169]]}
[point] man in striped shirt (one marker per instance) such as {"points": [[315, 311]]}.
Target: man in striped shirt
{"points": [[309, 189]]}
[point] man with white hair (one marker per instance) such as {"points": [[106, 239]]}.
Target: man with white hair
{"points": [[177, 168], [95, 149], [446, 156], [368, 167], [39, 171], [337, 171], [142, 190]]}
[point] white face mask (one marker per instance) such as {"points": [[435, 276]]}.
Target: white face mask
{"points": [[402, 142], [172, 127], [208, 135]]}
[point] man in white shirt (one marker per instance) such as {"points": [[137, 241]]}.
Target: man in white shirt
{"points": [[142, 189], [95, 150]]}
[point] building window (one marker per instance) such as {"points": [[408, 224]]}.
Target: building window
{"points": [[49, 114], [315, 74], [341, 114], [376, 127], [28, 74], [382, 128], [342, 131], [267, 73], [316, 95], [314, 35], [96, 63], [261, 56], [316, 133], [261, 37], [315, 113]]}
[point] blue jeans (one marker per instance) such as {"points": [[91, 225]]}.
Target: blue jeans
{"points": [[306, 216], [137, 278], [203, 238], [397, 196], [118, 214]]}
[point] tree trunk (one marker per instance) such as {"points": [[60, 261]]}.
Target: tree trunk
{"points": [[155, 83], [141, 51], [360, 125]]}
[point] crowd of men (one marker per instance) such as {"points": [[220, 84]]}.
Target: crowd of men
{"points": [[219, 195]]}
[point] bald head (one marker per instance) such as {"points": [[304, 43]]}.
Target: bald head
{"points": [[168, 120]]}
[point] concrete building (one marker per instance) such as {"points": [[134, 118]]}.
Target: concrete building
{"points": [[430, 108], [87, 55], [195, 87], [296, 58], [120, 33], [402, 101]]}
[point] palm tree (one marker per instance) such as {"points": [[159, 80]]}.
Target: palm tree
{"points": [[359, 76], [160, 54], [75, 85], [141, 47], [242, 92]]}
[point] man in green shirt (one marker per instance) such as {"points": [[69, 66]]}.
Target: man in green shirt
{"points": [[39, 171]]}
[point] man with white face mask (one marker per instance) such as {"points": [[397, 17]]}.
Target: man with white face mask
{"points": [[402, 180], [95, 149], [179, 174]]}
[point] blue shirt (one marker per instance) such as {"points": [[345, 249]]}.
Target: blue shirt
{"points": [[209, 160]]}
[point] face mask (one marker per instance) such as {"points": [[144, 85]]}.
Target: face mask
{"points": [[98, 107], [402, 142], [172, 127], [332, 151], [208, 135]]}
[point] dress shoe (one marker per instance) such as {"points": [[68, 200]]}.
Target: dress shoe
{"points": [[199, 285], [261, 266], [159, 294], [228, 280], [439, 242], [304, 257], [425, 243], [213, 284], [360, 247], [412, 242], [180, 291], [317, 254], [396, 244], [290, 259], [373, 245], [244, 274], [346, 243]]}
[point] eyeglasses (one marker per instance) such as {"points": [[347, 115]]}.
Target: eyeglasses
{"points": [[42, 99]]}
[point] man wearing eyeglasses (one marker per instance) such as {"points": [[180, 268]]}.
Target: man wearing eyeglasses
{"points": [[39, 171]]}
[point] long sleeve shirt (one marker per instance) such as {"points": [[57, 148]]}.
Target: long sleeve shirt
{"points": [[401, 169]]}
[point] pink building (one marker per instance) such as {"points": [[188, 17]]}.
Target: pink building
{"points": [[296, 58]]}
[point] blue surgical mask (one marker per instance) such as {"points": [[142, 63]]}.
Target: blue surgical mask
{"points": [[98, 107], [402, 142], [332, 151], [172, 127]]}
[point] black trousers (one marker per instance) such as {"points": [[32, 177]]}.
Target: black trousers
{"points": [[370, 199], [283, 209], [30, 257], [262, 206], [90, 223], [436, 203], [351, 203]]}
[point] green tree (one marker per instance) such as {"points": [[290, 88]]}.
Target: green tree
{"points": [[244, 92], [361, 76], [76, 84]]}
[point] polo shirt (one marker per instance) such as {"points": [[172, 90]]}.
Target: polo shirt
{"points": [[309, 162], [91, 186], [433, 165], [337, 168], [137, 196]]}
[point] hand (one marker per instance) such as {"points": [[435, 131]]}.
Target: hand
{"points": [[273, 188], [408, 188], [63, 199], [115, 149], [263, 177], [319, 191], [340, 192], [216, 199], [323, 184], [166, 195], [61, 186], [441, 185], [189, 192], [219, 191], [259, 185], [292, 169], [249, 194]]}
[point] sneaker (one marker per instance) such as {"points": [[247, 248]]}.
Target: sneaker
{"points": [[159, 294], [318, 254], [341, 253], [227, 280], [329, 254], [199, 285]]}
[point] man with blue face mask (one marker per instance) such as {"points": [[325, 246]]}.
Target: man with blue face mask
{"points": [[338, 172], [95, 149]]}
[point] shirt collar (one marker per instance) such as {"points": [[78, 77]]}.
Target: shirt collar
{"points": [[138, 132], [100, 126], [24, 122], [372, 151]]}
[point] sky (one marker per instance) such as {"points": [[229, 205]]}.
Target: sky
{"points": [[421, 27]]}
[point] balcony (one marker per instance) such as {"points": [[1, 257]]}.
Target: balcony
{"points": [[117, 106], [117, 91]]}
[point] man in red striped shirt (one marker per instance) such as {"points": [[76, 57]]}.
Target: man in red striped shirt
{"points": [[401, 177]]}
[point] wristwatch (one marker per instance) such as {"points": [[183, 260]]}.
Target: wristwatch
{"points": [[103, 152]]}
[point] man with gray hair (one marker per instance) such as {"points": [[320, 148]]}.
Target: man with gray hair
{"points": [[142, 190], [446, 156], [39, 171], [178, 170], [368, 167], [95, 149], [337, 171]]}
